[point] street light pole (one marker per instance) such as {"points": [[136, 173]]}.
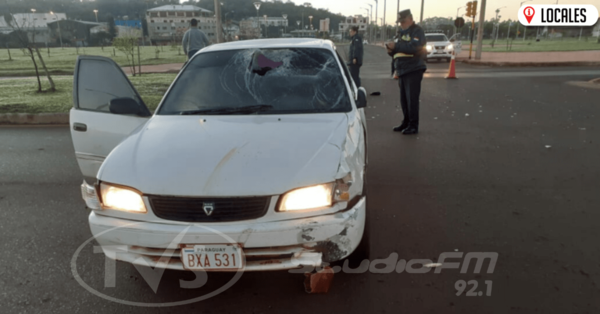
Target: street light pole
{"points": [[376, 15], [257, 6], [59, 33], [219, 23], [96, 13], [284, 23], [397, 11], [370, 23]]}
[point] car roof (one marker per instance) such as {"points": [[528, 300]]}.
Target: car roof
{"points": [[431, 34], [272, 43]]}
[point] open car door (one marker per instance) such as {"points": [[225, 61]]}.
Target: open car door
{"points": [[106, 109]]}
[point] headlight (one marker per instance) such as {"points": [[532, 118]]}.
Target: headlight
{"points": [[450, 47], [429, 47], [121, 198], [312, 197]]}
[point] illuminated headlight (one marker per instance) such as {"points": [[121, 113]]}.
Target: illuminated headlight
{"points": [[429, 47], [450, 47], [312, 197], [121, 198]]}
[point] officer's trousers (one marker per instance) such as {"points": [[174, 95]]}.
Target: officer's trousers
{"points": [[355, 72], [410, 92]]}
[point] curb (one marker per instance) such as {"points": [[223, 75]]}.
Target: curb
{"points": [[531, 64], [34, 119]]}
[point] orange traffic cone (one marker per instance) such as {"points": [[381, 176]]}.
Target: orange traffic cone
{"points": [[452, 70]]}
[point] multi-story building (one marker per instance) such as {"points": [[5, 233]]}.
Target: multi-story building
{"points": [[169, 22], [357, 20]]}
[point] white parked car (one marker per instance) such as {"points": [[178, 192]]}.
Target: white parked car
{"points": [[254, 159], [438, 47]]}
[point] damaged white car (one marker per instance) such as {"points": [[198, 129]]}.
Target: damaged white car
{"points": [[255, 159]]}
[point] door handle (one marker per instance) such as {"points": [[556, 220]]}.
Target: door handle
{"points": [[79, 127]]}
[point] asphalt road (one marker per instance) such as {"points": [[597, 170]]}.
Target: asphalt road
{"points": [[506, 161]]}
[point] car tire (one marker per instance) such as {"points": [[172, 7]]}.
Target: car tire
{"points": [[363, 250]]}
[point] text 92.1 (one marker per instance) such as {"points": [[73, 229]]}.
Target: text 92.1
{"points": [[462, 285]]}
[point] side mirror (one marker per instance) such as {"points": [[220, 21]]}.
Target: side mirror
{"points": [[361, 102], [126, 105]]}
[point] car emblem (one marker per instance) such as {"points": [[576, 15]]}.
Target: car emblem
{"points": [[208, 208]]}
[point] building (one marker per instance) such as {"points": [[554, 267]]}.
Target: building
{"points": [[249, 29], [34, 24], [169, 22], [129, 23], [271, 21], [306, 33], [72, 33], [357, 20], [596, 29]]}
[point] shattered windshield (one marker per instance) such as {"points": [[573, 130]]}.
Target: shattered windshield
{"points": [[266, 81]]}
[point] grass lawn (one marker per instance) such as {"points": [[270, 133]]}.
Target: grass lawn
{"points": [[62, 61], [560, 44], [20, 96]]}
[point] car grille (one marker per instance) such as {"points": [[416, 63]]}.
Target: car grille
{"points": [[440, 47], [224, 209]]}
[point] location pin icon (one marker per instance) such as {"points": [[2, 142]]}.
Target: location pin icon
{"points": [[529, 12]]}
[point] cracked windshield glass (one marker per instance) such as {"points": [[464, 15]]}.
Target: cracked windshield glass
{"points": [[282, 80]]}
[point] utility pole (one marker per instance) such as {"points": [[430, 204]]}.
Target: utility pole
{"points": [[384, 34], [397, 11], [480, 33], [376, 15], [219, 23], [422, 8]]}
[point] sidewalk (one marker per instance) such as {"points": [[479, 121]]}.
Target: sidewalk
{"points": [[552, 58], [159, 68]]}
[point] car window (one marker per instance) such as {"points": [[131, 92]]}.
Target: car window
{"points": [[294, 80], [436, 38], [99, 82]]}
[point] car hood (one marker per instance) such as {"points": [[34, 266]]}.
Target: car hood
{"points": [[229, 155]]}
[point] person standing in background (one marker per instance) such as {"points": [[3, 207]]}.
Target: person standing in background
{"points": [[194, 40], [356, 55]]}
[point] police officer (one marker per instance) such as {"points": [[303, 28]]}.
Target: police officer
{"points": [[409, 58], [356, 55]]}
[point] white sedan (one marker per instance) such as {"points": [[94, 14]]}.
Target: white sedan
{"points": [[255, 159]]}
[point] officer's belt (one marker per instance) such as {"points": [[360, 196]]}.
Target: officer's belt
{"points": [[402, 55]]}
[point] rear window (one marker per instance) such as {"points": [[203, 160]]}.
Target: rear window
{"points": [[294, 80], [436, 38]]}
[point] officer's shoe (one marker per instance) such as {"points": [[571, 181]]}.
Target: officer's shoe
{"points": [[410, 131], [400, 128]]}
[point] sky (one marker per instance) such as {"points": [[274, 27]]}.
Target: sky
{"points": [[440, 8]]}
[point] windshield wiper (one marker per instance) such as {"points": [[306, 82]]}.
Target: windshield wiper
{"points": [[229, 110]]}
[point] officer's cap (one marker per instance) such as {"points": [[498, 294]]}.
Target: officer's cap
{"points": [[403, 14]]}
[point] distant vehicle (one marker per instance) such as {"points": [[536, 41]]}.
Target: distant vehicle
{"points": [[254, 160], [438, 47]]}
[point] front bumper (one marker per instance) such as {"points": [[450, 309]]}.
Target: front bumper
{"points": [[442, 54], [274, 245]]}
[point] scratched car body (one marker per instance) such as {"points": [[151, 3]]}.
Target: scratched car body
{"points": [[258, 146]]}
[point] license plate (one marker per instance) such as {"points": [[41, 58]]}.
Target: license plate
{"points": [[212, 257]]}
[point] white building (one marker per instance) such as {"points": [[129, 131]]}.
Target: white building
{"points": [[34, 24], [270, 21], [170, 22], [357, 20]]}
